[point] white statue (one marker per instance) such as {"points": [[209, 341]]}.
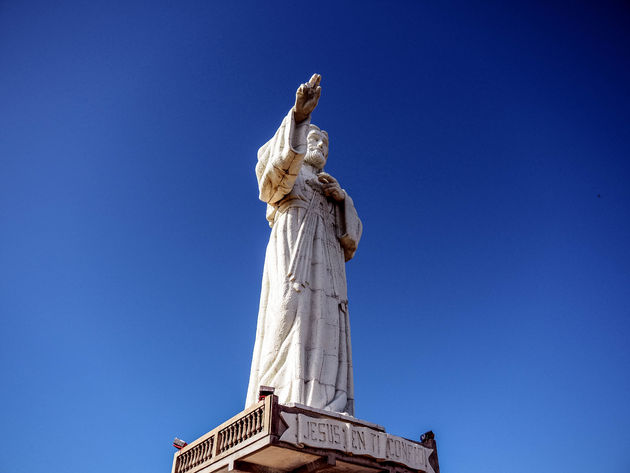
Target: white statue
{"points": [[302, 344]]}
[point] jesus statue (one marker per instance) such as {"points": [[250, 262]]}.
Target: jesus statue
{"points": [[302, 346]]}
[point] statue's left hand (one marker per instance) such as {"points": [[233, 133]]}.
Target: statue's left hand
{"points": [[331, 187]]}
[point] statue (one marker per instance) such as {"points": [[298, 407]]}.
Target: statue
{"points": [[302, 345]]}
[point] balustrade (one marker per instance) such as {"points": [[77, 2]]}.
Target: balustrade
{"points": [[231, 436]]}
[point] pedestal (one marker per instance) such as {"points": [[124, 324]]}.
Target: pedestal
{"points": [[275, 438]]}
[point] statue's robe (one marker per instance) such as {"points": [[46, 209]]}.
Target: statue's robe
{"points": [[302, 345]]}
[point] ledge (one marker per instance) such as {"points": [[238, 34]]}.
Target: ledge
{"points": [[269, 437]]}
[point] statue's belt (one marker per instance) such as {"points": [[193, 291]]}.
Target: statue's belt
{"points": [[322, 209]]}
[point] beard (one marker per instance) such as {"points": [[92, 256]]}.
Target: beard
{"points": [[315, 158]]}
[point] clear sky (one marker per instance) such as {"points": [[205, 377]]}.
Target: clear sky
{"points": [[486, 147]]}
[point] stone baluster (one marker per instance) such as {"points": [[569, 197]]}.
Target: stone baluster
{"points": [[209, 452], [184, 462], [204, 452]]}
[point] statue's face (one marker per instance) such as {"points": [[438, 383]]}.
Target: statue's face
{"points": [[317, 149]]}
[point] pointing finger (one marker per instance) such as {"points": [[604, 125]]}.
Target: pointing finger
{"points": [[315, 80]]}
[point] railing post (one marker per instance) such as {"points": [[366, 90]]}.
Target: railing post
{"points": [[215, 445], [268, 411]]}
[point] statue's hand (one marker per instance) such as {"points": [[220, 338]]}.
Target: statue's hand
{"points": [[331, 187], [306, 98]]}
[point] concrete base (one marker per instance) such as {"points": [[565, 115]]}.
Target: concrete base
{"points": [[273, 438]]}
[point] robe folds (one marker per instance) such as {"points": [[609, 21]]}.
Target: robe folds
{"points": [[302, 345]]}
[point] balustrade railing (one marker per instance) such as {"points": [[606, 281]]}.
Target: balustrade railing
{"points": [[229, 436], [197, 455], [241, 430]]}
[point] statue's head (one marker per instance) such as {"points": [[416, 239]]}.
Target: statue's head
{"points": [[317, 147]]}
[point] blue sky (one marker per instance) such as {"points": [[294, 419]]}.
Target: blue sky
{"points": [[485, 146]]}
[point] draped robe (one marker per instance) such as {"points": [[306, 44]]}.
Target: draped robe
{"points": [[302, 345]]}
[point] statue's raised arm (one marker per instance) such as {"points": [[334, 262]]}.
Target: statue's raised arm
{"points": [[280, 159], [302, 344]]}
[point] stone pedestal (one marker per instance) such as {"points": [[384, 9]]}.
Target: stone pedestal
{"points": [[274, 438]]}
